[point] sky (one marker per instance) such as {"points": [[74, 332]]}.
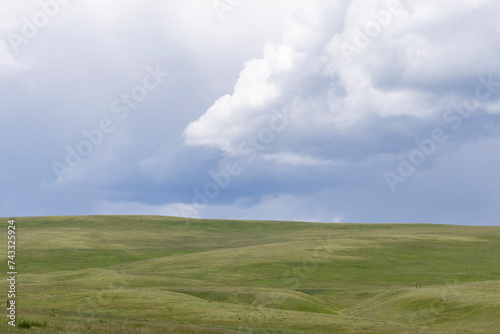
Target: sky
{"points": [[356, 111]]}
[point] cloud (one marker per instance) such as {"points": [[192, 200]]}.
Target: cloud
{"points": [[315, 100], [7, 63], [128, 208], [418, 61], [362, 83], [253, 95], [299, 160], [308, 208]]}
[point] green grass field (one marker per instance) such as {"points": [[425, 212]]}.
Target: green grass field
{"points": [[145, 274]]}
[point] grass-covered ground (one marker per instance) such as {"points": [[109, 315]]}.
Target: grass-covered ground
{"points": [[131, 274]]}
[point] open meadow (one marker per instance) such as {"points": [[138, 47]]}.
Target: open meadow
{"points": [[149, 274]]}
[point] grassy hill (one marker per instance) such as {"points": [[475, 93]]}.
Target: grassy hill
{"points": [[137, 274]]}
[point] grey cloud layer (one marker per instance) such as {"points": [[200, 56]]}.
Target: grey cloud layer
{"points": [[358, 82]]}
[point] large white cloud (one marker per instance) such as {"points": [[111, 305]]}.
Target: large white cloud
{"points": [[253, 96], [343, 64]]}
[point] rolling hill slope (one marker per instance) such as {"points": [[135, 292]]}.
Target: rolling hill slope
{"points": [[145, 274]]}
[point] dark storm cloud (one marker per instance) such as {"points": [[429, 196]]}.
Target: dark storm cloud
{"points": [[315, 104]]}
